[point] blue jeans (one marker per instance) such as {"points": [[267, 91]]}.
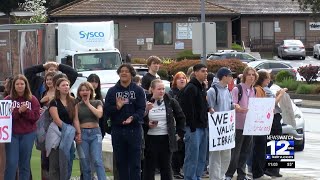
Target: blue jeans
{"points": [[18, 154], [126, 142], [196, 148], [90, 151]]}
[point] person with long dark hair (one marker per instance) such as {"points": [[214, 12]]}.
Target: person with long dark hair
{"points": [[62, 111], [96, 84], [25, 113]]}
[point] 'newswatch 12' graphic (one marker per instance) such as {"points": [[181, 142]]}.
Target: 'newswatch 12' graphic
{"points": [[280, 147]]}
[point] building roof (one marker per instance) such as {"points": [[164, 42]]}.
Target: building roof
{"points": [[137, 8], [251, 7]]}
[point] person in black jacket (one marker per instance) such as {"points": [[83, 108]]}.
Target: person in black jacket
{"points": [[195, 107], [125, 105], [37, 81], [163, 112]]}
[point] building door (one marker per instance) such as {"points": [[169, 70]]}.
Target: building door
{"points": [[300, 30]]}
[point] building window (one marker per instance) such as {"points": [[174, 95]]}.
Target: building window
{"points": [[254, 32], [222, 34], [267, 32], [162, 33], [116, 36], [300, 30]]}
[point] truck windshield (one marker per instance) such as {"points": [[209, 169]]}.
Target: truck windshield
{"points": [[97, 61]]}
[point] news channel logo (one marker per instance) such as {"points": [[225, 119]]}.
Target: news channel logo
{"points": [[280, 147]]}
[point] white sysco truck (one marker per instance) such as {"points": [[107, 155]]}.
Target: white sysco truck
{"points": [[89, 47]]}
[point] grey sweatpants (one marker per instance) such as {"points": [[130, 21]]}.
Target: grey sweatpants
{"points": [[218, 164]]}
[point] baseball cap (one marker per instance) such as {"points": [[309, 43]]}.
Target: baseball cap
{"points": [[224, 71]]}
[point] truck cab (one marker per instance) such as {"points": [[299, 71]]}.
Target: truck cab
{"points": [[102, 63], [89, 48]]}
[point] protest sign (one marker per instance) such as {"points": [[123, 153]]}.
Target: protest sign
{"points": [[259, 116], [221, 130], [5, 121]]}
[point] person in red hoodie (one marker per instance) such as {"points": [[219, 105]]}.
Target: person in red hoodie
{"points": [[25, 113]]}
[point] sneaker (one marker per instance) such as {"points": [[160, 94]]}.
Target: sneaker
{"points": [[264, 177], [178, 176], [272, 174], [245, 178], [205, 174]]}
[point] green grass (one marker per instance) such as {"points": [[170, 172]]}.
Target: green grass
{"points": [[36, 165]]}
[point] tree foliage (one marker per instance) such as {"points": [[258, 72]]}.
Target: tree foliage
{"points": [[309, 72], [313, 5]]}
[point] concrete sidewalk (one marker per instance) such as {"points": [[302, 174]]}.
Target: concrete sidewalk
{"points": [[310, 104]]}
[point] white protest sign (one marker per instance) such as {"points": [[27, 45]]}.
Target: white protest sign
{"points": [[5, 121], [259, 116], [221, 130]]}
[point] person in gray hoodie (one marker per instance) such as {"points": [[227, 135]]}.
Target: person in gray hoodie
{"points": [[220, 99]]}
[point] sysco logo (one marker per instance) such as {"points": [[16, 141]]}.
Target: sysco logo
{"points": [[88, 35]]}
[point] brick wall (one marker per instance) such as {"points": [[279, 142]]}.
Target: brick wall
{"points": [[132, 28], [286, 24]]}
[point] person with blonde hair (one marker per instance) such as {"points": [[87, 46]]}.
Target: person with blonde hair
{"points": [[87, 113], [164, 121], [25, 113]]}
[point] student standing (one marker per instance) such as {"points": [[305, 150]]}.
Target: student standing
{"points": [[165, 120], [220, 99], [25, 113], [88, 112], [259, 142], [125, 105], [243, 143], [179, 82], [195, 107], [153, 63], [62, 111]]}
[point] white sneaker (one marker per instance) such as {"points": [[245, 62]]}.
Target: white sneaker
{"points": [[263, 177]]}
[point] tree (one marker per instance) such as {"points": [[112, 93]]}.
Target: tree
{"points": [[37, 8], [313, 5]]}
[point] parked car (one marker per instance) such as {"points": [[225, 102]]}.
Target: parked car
{"points": [[274, 66], [242, 56], [141, 69], [316, 51], [298, 133], [291, 48]]}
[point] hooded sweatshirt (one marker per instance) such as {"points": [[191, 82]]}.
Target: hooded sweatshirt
{"points": [[224, 98], [25, 122], [194, 105], [134, 106]]}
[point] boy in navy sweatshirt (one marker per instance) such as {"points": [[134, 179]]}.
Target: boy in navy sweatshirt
{"points": [[125, 105]]}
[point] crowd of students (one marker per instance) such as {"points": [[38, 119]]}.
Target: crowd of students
{"points": [[150, 129]]}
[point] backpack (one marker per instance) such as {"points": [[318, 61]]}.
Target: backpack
{"points": [[240, 92], [42, 127], [216, 90]]}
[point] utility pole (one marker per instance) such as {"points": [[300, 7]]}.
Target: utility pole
{"points": [[203, 21]]}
